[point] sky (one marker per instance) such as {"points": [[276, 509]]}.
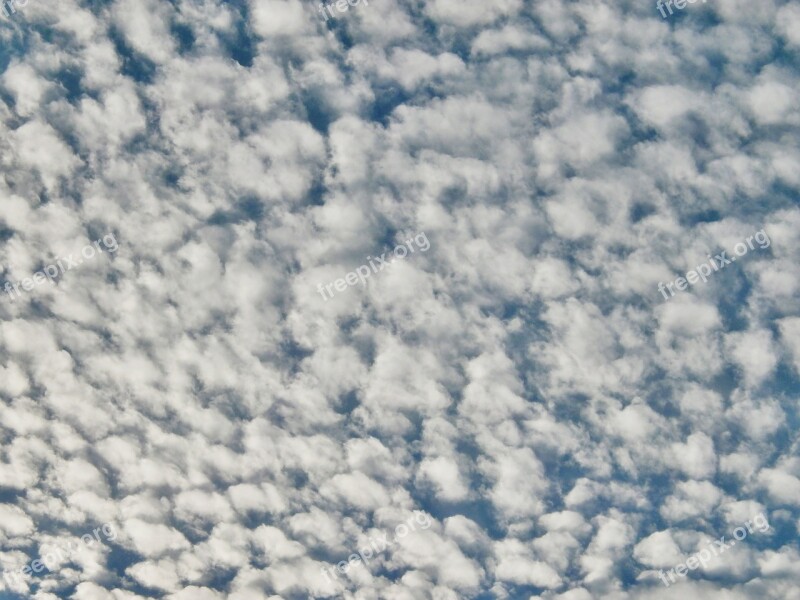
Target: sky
{"points": [[400, 300]]}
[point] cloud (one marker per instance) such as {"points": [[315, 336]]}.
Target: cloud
{"points": [[522, 382]]}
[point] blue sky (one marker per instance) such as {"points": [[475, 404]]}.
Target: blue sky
{"points": [[568, 432]]}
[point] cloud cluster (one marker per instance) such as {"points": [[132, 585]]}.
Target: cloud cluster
{"points": [[522, 382]]}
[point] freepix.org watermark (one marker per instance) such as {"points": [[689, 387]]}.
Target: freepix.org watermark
{"points": [[362, 272], [341, 6], [50, 272], [379, 545], [59, 555], [8, 7], [717, 547], [718, 262], [679, 4]]}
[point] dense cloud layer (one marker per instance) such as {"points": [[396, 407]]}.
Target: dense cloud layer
{"points": [[520, 396]]}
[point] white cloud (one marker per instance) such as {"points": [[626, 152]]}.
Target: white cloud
{"points": [[522, 381]]}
